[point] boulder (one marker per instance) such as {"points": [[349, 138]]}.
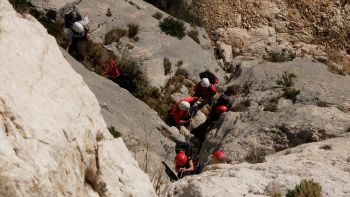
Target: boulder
{"points": [[51, 129], [326, 163]]}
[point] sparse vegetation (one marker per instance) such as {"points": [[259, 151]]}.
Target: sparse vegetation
{"points": [[167, 66], [281, 57], [326, 147], [183, 72], [271, 107], [178, 9], [114, 35], [288, 152], [21, 6], [255, 155], [108, 13], [306, 188], [233, 90], [114, 132], [287, 81], [157, 15], [133, 29], [173, 27], [194, 35]]}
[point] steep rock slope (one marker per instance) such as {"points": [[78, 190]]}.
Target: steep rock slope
{"points": [[145, 134], [54, 142], [271, 122], [152, 45], [327, 166]]}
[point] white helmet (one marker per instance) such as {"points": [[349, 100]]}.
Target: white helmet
{"points": [[78, 27], [184, 105], [205, 82]]}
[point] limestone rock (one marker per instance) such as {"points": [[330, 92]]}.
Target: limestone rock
{"points": [[280, 172], [225, 51], [153, 45], [50, 122]]}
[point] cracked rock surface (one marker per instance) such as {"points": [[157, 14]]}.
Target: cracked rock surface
{"points": [[51, 129]]}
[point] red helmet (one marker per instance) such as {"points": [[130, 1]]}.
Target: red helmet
{"points": [[221, 109], [180, 159], [219, 155]]}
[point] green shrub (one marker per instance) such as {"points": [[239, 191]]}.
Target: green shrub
{"points": [[194, 35], [173, 27], [114, 35], [133, 29], [290, 93], [287, 79], [167, 66], [281, 57], [306, 188], [178, 9], [157, 15], [114, 132]]}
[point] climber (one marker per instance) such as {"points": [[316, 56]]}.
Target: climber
{"points": [[221, 106], [77, 31], [186, 162], [207, 74], [181, 112], [205, 90], [218, 157]]}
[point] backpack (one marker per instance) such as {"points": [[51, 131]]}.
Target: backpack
{"points": [[71, 18]]}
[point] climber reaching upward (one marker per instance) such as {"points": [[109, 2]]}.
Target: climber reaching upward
{"points": [[181, 112]]}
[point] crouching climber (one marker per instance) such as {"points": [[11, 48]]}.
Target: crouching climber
{"points": [[181, 112], [77, 31], [186, 163], [205, 90]]}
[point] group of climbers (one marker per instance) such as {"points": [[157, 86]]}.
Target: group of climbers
{"points": [[185, 109]]}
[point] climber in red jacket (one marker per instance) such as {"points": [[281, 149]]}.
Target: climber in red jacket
{"points": [[180, 111], [205, 90]]}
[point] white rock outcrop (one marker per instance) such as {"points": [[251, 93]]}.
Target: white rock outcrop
{"points": [[51, 130], [324, 162]]}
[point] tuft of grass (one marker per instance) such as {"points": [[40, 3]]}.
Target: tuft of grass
{"points": [[133, 29], [287, 81], [287, 152], [326, 147], [271, 107], [194, 35], [114, 132], [173, 27], [183, 72], [233, 90], [114, 35], [281, 57], [291, 93], [157, 15], [167, 66], [306, 188], [108, 13]]}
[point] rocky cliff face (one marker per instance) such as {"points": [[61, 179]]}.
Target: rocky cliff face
{"points": [[54, 142]]}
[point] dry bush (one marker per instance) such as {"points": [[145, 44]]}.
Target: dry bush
{"points": [[114, 35], [167, 66], [306, 188], [133, 29], [326, 147], [173, 27], [157, 15], [194, 35]]}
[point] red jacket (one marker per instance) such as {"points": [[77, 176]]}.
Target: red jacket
{"points": [[205, 93], [178, 114]]}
